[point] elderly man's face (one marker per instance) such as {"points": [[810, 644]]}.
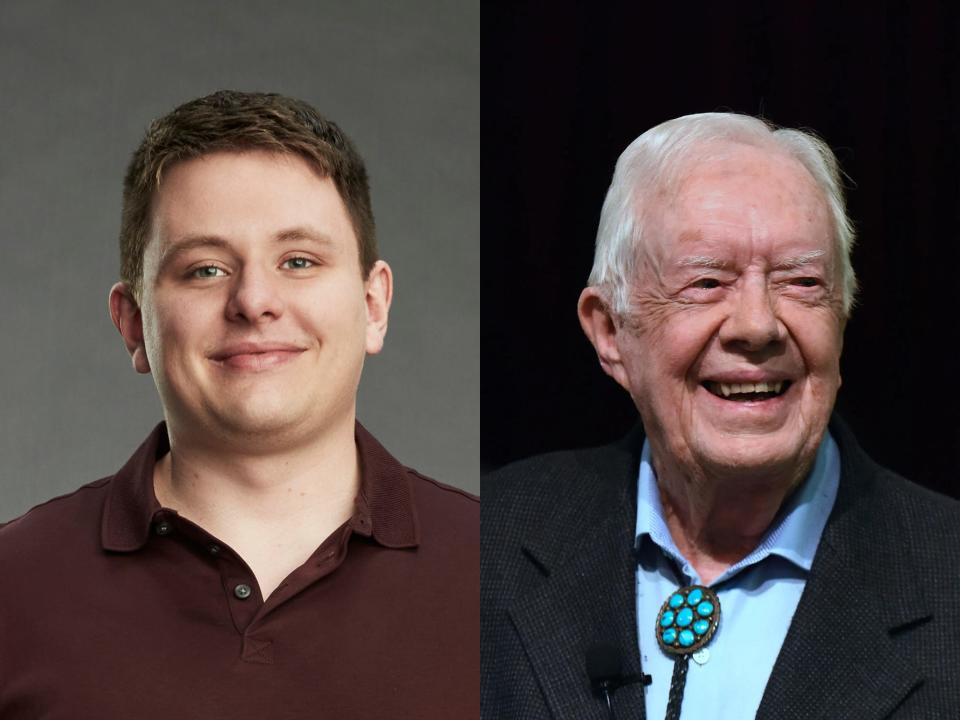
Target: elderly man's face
{"points": [[731, 348]]}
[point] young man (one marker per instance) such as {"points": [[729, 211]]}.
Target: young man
{"points": [[260, 555]]}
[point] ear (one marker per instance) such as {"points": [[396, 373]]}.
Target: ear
{"points": [[600, 327], [126, 316], [839, 376], [843, 328], [379, 292]]}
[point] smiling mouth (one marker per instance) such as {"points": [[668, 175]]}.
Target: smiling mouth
{"points": [[747, 392], [256, 361]]}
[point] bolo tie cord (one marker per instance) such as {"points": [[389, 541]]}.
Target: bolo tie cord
{"points": [[677, 683]]}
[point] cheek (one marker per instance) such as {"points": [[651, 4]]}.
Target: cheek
{"points": [[154, 324], [183, 325], [679, 341], [819, 340], [331, 312], [176, 331]]}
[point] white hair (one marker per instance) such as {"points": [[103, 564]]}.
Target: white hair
{"points": [[654, 161]]}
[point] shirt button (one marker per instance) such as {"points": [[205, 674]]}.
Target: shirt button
{"points": [[213, 549], [242, 591], [163, 528]]}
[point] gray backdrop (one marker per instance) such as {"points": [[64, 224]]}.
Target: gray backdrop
{"points": [[79, 81]]}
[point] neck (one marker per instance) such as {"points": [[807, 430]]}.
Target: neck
{"points": [[716, 521], [311, 485]]}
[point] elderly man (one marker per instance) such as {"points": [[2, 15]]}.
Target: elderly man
{"points": [[738, 555]]}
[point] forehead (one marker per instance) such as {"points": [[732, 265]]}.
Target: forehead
{"points": [[245, 196], [741, 199]]}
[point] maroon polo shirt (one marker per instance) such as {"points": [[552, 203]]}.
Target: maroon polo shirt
{"points": [[113, 607]]}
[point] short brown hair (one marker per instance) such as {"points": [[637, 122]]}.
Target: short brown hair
{"points": [[230, 120]]}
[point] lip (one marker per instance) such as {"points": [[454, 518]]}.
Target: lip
{"points": [[255, 357]]}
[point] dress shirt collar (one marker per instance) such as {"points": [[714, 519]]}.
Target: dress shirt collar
{"points": [[384, 506], [796, 529]]}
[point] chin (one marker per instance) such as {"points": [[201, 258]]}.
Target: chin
{"points": [[278, 417], [256, 413], [255, 424], [754, 455]]}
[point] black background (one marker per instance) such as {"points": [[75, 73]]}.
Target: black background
{"points": [[565, 90]]}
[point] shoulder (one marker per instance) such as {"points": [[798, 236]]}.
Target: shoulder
{"points": [[917, 517], [917, 532], [906, 524], [917, 501], [58, 512], [539, 471], [432, 495], [894, 501], [537, 510], [553, 482], [899, 544], [55, 530], [549, 472], [444, 511], [433, 491]]}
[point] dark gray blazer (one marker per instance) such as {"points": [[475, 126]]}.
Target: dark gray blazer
{"points": [[876, 633]]}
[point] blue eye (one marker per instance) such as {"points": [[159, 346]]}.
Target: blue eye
{"points": [[208, 271], [298, 263]]}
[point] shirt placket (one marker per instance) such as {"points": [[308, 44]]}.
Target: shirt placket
{"points": [[239, 585]]}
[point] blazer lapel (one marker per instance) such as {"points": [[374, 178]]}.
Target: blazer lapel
{"points": [[587, 594], [839, 657]]}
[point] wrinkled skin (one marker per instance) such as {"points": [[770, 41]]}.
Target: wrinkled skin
{"points": [[739, 281]]}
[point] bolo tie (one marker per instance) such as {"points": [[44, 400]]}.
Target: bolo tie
{"points": [[687, 622]]}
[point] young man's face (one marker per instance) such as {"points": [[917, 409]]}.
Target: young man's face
{"points": [[255, 317]]}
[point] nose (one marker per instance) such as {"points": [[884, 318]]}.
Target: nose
{"points": [[254, 297], [752, 323]]}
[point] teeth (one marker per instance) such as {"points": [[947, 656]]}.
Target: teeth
{"points": [[728, 389]]}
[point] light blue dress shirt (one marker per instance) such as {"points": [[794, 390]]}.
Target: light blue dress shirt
{"points": [[758, 596]]}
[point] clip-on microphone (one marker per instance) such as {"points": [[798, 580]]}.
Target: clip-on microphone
{"points": [[605, 670]]}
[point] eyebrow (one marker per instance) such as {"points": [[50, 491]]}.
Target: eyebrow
{"points": [[797, 261], [305, 232], [192, 242], [703, 261], [713, 263]]}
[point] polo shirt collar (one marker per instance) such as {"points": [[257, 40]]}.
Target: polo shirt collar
{"points": [[385, 494], [384, 508], [796, 529]]}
